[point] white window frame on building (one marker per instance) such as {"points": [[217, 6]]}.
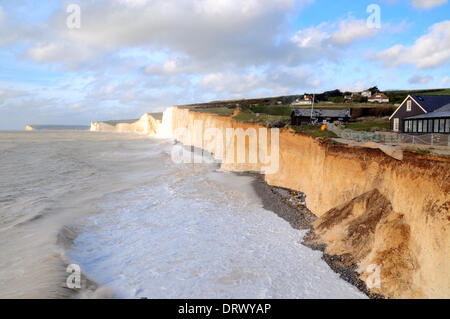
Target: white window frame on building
{"points": [[396, 124]]}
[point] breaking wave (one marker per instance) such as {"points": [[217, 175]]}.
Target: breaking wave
{"points": [[140, 225]]}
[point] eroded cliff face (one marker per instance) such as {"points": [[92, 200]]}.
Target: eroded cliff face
{"points": [[379, 210], [372, 208]]}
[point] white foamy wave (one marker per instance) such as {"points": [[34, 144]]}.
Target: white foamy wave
{"points": [[197, 233], [50, 180]]}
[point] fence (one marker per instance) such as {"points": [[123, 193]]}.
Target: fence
{"points": [[424, 139]]}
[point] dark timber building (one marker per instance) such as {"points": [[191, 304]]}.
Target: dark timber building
{"points": [[305, 116], [422, 114]]}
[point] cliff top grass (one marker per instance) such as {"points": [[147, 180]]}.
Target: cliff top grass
{"points": [[313, 130], [222, 111], [280, 110], [267, 120]]}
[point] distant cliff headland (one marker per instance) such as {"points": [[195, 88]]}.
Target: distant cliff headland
{"points": [[371, 208]]}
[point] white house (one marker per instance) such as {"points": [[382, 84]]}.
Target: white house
{"points": [[378, 98], [307, 100], [366, 93]]}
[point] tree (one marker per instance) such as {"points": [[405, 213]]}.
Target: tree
{"points": [[374, 90]]}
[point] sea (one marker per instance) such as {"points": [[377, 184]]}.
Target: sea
{"points": [[139, 225]]}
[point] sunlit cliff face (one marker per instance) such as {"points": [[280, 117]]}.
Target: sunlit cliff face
{"points": [[165, 129], [415, 192]]}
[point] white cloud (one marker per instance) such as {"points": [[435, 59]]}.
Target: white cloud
{"points": [[354, 87], [427, 4], [9, 94], [269, 82], [314, 38], [428, 51], [352, 30], [225, 31], [446, 80], [2, 15], [169, 66], [420, 79], [330, 37]]}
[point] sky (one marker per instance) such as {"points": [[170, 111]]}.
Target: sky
{"points": [[72, 62]]}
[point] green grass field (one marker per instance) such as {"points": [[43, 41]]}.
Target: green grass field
{"points": [[223, 111], [263, 119], [281, 110], [443, 92]]}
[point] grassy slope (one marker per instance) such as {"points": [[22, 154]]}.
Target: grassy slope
{"points": [[224, 111], [259, 118], [443, 92]]}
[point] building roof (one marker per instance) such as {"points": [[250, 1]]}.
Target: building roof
{"points": [[321, 113], [378, 95], [431, 102], [443, 111]]}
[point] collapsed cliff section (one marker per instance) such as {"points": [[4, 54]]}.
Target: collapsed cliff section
{"points": [[411, 242], [367, 233], [371, 208]]}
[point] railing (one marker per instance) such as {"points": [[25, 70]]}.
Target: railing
{"points": [[427, 139], [396, 138]]}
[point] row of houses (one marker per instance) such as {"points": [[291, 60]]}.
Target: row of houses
{"points": [[417, 114], [377, 97]]}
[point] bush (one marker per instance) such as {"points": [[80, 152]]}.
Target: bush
{"points": [[277, 123], [337, 99]]}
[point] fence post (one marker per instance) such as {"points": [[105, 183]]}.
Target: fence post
{"points": [[432, 139], [413, 140]]}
